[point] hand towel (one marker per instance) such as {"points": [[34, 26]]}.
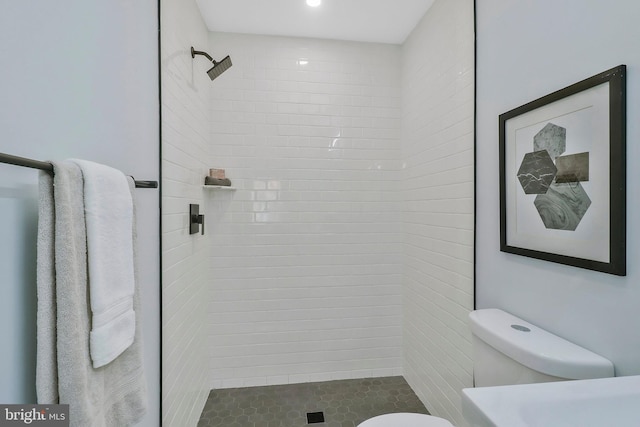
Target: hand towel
{"points": [[108, 210], [114, 395]]}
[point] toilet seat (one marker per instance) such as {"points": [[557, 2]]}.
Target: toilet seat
{"points": [[405, 419]]}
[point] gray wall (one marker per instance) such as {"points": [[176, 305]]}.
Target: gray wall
{"points": [[78, 79], [527, 50]]}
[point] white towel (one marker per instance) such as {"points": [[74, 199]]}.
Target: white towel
{"points": [[47, 331], [114, 395], [109, 219]]}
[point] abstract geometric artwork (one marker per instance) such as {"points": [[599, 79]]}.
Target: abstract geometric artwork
{"points": [[563, 175], [561, 201]]}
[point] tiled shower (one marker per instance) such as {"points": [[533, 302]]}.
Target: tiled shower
{"points": [[346, 249]]}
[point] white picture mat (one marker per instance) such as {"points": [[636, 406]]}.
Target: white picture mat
{"points": [[585, 116]]}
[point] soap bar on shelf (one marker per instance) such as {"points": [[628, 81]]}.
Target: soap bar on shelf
{"points": [[217, 173]]}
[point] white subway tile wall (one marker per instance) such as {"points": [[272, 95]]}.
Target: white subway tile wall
{"points": [[185, 139], [437, 188], [305, 268]]}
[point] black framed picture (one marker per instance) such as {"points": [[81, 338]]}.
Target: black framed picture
{"points": [[563, 175]]}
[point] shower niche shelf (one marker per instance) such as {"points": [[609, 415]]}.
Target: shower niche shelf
{"points": [[219, 187]]}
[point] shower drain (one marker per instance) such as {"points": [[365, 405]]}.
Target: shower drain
{"points": [[315, 417]]}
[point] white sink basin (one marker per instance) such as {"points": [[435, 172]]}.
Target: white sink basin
{"points": [[581, 403]]}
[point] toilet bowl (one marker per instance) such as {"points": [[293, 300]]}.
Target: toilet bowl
{"points": [[404, 419], [507, 351]]}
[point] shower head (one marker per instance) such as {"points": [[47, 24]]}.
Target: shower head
{"points": [[218, 67]]}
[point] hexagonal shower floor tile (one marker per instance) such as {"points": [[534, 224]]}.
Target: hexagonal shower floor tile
{"points": [[344, 403]]}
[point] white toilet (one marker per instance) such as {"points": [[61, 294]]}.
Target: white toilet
{"points": [[507, 350]]}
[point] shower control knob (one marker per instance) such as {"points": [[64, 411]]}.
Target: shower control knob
{"points": [[196, 219]]}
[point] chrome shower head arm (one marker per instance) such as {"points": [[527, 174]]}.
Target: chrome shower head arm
{"points": [[197, 52]]}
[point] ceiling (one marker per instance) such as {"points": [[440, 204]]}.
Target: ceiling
{"points": [[380, 21]]}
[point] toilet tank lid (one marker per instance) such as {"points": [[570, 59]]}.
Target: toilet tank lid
{"points": [[536, 348]]}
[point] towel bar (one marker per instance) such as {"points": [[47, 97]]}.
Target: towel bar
{"points": [[46, 166]]}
